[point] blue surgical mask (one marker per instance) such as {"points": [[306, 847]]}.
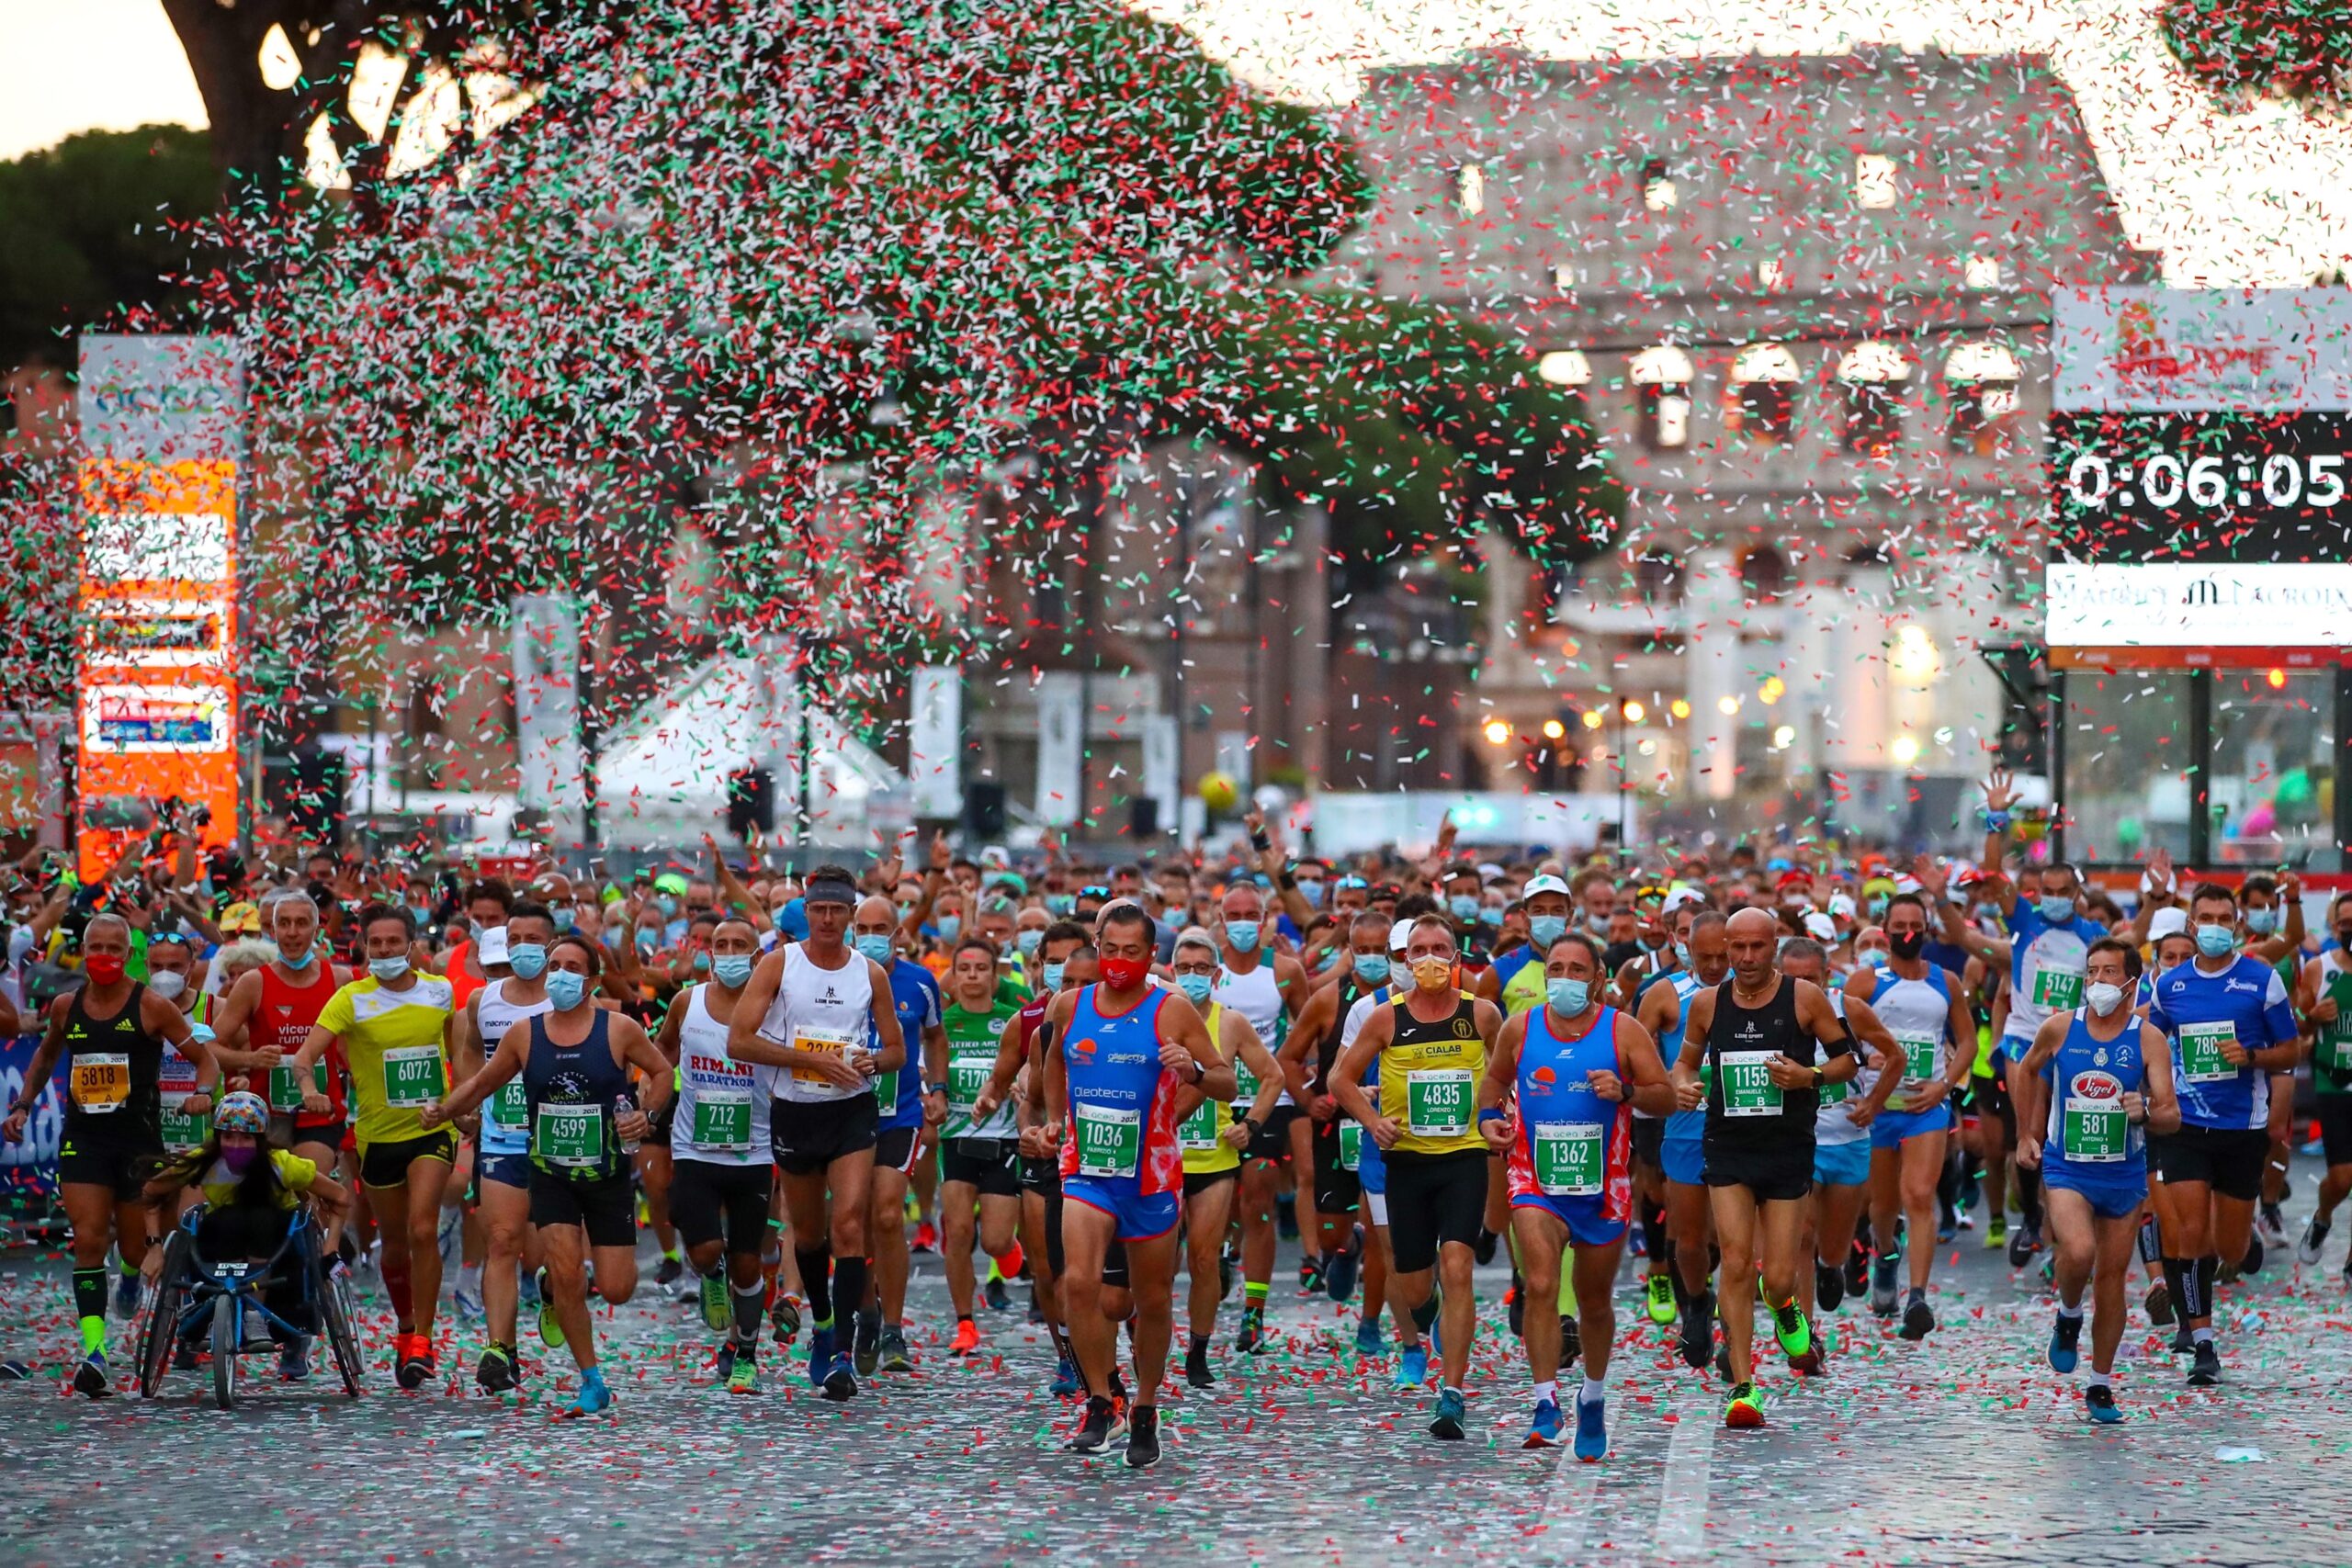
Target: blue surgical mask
{"points": [[309, 955], [1371, 969], [2262, 922], [2056, 910], [1542, 931], [1682, 954], [387, 969], [1312, 893], [775, 919], [1490, 915], [668, 903], [424, 915], [1028, 941], [1242, 934], [1870, 957], [877, 948], [1053, 977], [566, 988], [1196, 988], [565, 920], [950, 926], [1323, 963], [1567, 997], [732, 969], [1877, 905], [1465, 906], [528, 959], [1060, 904], [2214, 941], [702, 964]]}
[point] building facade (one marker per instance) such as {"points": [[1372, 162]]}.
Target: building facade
{"points": [[1807, 300]]}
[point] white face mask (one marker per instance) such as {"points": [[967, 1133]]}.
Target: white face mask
{"points": [[167, 984], [2104, 998]]}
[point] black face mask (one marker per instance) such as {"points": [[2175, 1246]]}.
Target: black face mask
{"points": [[1907, 945], [2344, 936]]}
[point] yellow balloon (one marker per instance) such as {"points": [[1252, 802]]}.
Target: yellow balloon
{"points": [[1218, 791]]}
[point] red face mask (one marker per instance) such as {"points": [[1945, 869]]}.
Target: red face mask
{"points": [[104, 968], [1123, 974]]}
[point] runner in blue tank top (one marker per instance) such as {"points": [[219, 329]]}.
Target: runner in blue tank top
{"points": [[1134, 1060], [1569, 1072], [2098, 1081]]}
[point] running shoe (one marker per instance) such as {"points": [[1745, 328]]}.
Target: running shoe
{"points": [[1918, 1318], [723, 1360], [820, 1354], [996, 1295], [1094, 1433], [1064, 1381], [1660, 1290], [926, 1238], [1544, 1428], [2183, 1341], [1445, 1424], [718, 1314], [551, 1328], [2207, 1368], [866, 1341], [1483, 1249], [2158, 1301], [294, 1359], [1370, 1341], [670, 1272], [1857, 1270], [1143, 1437], [784, 1319], [1250, 1338], [1828, 1286], [743, 1377], [593, 1399], [1339, 1273], [1413, 1367], [1744, 1411], [126, 1296], [1809, 1364], [1592, 1430], [1886, 1293], [2254, 1256], [2098, 1400], [2024, 1241], [2272, 1227], [1790, 1327], [841, 1383], [414, 1367], [1698, 1335], [2065, 1336], [1996, 1231], [1310, 1277], [968, 1338], [896, 1357], [2314, 1237], [1947, 1224], [1196, 1368], [92, 1377], [469, 1303]]}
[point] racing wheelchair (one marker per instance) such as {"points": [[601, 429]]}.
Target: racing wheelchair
{"points": [[195, 1297]]}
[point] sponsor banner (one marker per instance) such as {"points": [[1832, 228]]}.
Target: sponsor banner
{"points": [[1061, 741], [935, 739], [2199, 604], [2185, 350]]}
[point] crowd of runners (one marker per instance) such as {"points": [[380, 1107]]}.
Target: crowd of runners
{"points": [[1786, 1073]]}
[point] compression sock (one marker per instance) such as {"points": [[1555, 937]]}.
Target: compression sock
{"points": [[2188, 1286], [2030, 1200], [849, 1275], [1654, 1231], [90, 1306], [817, 1282], [1253, 1294], [1426, 1314], [2151, 1244], [747, 1300], [2207, 1267]]}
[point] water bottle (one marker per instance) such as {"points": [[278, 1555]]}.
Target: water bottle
{"points": [[623, 1106]]}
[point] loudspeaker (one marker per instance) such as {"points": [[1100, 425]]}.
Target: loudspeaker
{"points": [[984, 809], [750, 803], [1143, 816]]}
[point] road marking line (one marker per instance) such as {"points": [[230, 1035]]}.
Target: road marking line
{"points": [[1690, 1457], [1567, 1508]]}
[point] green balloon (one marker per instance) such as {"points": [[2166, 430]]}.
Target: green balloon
{"points": [[2294, 788], [2128, 832]]}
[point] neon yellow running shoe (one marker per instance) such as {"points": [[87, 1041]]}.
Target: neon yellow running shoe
{"points": [[1661, 1294]]}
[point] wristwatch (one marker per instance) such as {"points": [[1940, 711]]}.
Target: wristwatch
{"points": [[1819, 1077], [1251, 1123]]}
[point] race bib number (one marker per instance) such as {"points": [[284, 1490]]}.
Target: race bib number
{"points": [[2201, 1052], [1567, 1159], [285, 1089], [510, 1108], [2093, 1130], [722, 1121], [1197, 1134], [100, 1081], [1110, 1141], [1350, 1145], [966, 1076], [413, 1077], [183, 1131], [886, 1088], [1748, 1088], [817, 1041], [1437, 1102], [1919, 1064], [569, 1134], [1245, 1090], [2334, 1052], [2057, 990]]}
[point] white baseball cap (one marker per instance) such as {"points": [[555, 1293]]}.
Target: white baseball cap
{"points": [[490, 946], [2169, 922], [1820, 927], [1399, 935], [1681, 895], [1545, 884]]}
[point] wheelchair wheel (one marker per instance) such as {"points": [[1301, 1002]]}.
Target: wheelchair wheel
{"points": [[332, 1294], [163, 1315], [228, 1343]]}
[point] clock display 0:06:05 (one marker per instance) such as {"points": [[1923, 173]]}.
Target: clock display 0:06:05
{"points": [[2209, 481]]}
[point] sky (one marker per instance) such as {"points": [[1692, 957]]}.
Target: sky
{"points": [[2256, 197]]}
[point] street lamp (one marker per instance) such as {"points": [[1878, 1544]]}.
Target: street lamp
{"points": [[1628, 712]]}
